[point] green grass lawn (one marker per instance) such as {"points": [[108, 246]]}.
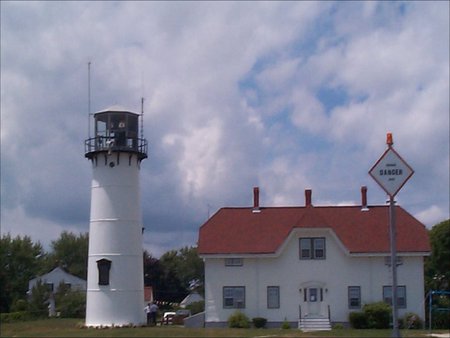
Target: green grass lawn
{"points": [[73, 328]]}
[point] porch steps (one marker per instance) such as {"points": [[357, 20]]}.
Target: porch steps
{"points": [[314, 324]]}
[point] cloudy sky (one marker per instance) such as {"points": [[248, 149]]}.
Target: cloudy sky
{"points": [[280, 95]]}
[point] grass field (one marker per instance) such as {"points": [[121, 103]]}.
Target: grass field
{"points": [[73, 328]]}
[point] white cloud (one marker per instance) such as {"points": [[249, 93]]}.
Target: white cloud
{"points": [[432, 215], [234, 98]]}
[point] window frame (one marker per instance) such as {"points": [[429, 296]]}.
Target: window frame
{"points": [[309, 248], [401, 295], [234, 261], [273, 303], [104, 269], [350, 297], [237, 303]]}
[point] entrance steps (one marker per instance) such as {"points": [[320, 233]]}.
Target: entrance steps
{"points": [[308, 324]]}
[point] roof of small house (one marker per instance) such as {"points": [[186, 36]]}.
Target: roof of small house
{"points": [[365, 231], [56, 276]]}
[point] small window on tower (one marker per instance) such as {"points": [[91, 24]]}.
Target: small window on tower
{"points": [[104, 266]]}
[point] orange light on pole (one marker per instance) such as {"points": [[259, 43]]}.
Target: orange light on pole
{"points": [[389, 139]]}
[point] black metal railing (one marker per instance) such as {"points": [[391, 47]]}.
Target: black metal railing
{"points": [[116, 143]]}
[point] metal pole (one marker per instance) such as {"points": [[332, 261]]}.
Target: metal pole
{"points": [[430, 301], [395, 330], [89, 99]]}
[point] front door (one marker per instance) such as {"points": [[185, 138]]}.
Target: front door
{"points": [[313, 297]]}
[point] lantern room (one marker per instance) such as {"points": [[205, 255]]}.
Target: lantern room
{"points": [[116, 130]]}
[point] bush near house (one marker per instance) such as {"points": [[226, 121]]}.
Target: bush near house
{"points": [[411, 321], [259, 322], [358, 320], [238, 320], [378, 315], [373, 316]]}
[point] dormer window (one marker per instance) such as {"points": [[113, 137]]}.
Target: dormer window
{"points": [[312, 248]]}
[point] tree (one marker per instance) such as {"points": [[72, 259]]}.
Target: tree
{"points": [[70, 303], [175, 274], [39, 298], [437, 266], [70, 252], [20, 261], [437, 273]]}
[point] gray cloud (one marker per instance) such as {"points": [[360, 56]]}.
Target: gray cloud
{"points": [[283, 95]]}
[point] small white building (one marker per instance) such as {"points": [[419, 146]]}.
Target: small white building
{"points": [[193, 297], [55, 277], [308, 263]]}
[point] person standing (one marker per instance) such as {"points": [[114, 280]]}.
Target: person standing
{"points": [[148, 313], [153, 312]]}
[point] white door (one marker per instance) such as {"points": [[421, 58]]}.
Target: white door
{"points": [[314, 299]]}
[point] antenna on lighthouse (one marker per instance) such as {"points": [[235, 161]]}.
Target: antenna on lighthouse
{"points": [[89, 99], [142, 117]]}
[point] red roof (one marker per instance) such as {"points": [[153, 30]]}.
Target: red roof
{"points": [[241, 231]]}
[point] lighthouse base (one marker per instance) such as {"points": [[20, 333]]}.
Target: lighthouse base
{"points": [[103, 309]]}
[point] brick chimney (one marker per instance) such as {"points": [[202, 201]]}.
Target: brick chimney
{"points": [[364, 199], [256, 200], [308, 197]]}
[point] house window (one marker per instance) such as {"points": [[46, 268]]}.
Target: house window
{"points": [[312, 248], [273, 297], [401, 295], [233, 262], [49, 287], [387, 260], [103, 265], [354, 297], [234, 297]]}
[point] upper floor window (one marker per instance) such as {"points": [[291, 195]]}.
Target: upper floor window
{"points": [[401, 295], [312, 248], [234, 297], [354, 297], [233, 262]]}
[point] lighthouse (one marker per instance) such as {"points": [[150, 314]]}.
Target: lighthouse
{"points": [[115, 282]]}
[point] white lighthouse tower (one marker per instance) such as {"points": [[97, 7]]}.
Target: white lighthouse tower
{"points": [[115, 282]]}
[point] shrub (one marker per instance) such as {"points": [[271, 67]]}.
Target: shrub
{"points": [[338, 326], [72, 304], [411, 321], [285, 325], [15, 317], [358, 320], [19, 305], [238, 320], [259, 322], [378, 315]]}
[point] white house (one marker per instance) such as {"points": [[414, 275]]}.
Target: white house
{"points": [[57, 276], [308, 262]]}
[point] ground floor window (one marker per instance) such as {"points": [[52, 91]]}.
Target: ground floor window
{"points": [[354, 297], [234, 297], [273, 297], [401, 295], [103, 265]]}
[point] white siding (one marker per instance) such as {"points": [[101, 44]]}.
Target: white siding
{"points": [[334, 274]]}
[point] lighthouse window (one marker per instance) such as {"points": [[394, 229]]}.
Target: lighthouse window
{"points": [[103, 265]]}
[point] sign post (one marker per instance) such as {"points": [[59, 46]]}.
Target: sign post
{"points": [[391, 172]]}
